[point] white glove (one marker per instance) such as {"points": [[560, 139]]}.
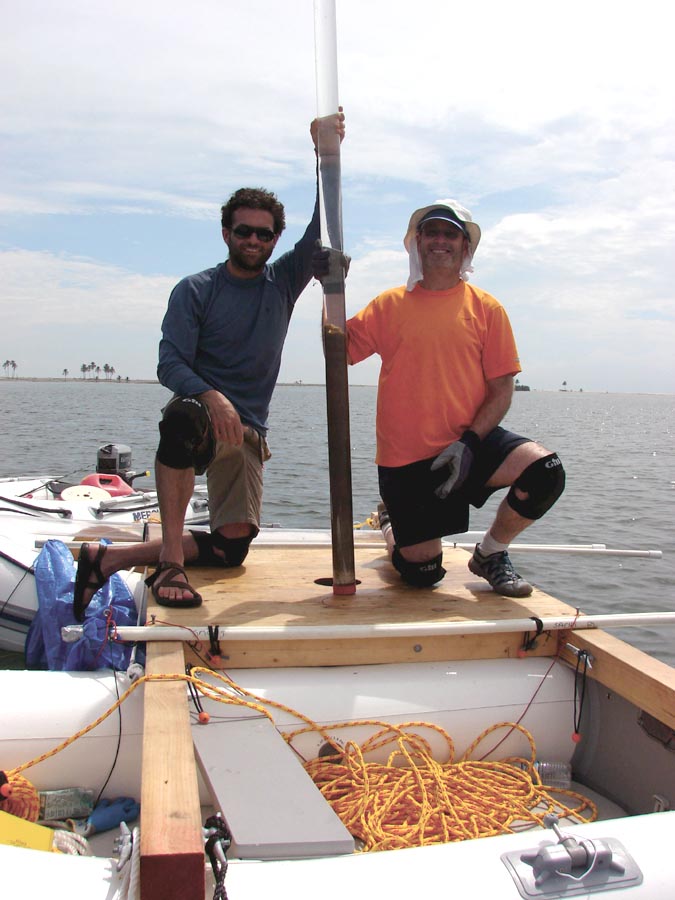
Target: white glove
{"points": [[458, 457]]}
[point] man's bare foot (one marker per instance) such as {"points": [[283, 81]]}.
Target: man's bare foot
{"points": [[170, 586]]}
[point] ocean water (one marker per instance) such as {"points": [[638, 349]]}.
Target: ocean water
{"points": [[618, 451]]}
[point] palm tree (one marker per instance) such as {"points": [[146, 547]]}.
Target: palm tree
{"points": [[65, 373], [84, 368], [6, 366], [13, 365]]}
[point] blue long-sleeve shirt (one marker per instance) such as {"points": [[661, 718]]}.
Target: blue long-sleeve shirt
{"points": [[228, 333]]}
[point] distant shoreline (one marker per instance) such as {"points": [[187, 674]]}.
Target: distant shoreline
{"points": [[83, 380], [569, 391], [115, 380]]}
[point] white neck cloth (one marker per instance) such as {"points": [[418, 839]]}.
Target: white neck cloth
{"points": [[416, 273]]}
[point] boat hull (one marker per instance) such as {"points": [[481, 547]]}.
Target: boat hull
{"points": [[44, 708], [31, 497], [320, 672]]}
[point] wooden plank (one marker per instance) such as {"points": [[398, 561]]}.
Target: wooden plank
{"points": [[276, 654], [284, 584], [271, 805], [172, 854], [277, 586], [634, 675]]}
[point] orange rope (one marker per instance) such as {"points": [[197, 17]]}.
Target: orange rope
{"points": [[22, 797], [392, 806], [23, 800], [410, 800], [207, 689]]}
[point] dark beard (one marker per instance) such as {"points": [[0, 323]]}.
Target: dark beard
{"points": [[243, 262]]}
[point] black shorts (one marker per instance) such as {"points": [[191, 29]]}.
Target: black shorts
{"points": [[418, 515]]}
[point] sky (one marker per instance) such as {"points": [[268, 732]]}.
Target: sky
{"points": [[125, 126]]}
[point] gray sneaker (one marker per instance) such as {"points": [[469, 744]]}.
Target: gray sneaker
{"points": [[498, 570]]}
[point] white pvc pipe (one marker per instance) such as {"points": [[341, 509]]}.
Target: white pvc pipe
{"points": [[351, 632], [595, 549], [325, 57], [327, 102]]}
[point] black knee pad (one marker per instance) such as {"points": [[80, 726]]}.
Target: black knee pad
{"points": [[233, 550], [544, 482], [186, 440], [418, 574]]}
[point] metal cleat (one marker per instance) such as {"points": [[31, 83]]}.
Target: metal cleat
{"points": [[570, 867]]}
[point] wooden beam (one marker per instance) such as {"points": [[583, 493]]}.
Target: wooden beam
{"points": [[172, 850], [634, 675], [368, 651]]}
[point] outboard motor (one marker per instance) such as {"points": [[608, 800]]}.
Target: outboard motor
{"points": [[115, 459]]}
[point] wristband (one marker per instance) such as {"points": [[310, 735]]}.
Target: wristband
{"points": [[471, 439]]}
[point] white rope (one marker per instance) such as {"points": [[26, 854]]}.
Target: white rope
{"points": [[130, 887], [71, 843]]}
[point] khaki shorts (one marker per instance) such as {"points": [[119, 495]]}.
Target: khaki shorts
{"points": [[234, 480]]}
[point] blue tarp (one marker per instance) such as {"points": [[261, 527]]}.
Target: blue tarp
{"points": [[55, 580]]}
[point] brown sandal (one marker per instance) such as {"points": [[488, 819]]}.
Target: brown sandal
{"points": [[194, 600], [87, 578]]}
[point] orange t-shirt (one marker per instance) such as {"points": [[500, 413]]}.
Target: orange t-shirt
{"points": [[438, 349]]}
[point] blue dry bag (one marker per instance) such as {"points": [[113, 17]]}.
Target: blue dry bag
{"points": [[55, 580]]}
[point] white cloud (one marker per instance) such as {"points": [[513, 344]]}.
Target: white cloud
{"points": [[68, 287], [553, 123], [58, 312]]}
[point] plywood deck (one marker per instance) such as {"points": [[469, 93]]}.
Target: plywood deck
{"points": [[278, 586]]}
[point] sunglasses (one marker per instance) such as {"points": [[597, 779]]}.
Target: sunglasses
{"points": [[245, 231], [447, 231]]}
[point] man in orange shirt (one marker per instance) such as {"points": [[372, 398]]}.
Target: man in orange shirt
{"points": [[446, 382]]}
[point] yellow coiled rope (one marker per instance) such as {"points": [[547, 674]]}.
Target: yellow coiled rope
{"points": [[410, 800], [22, 800], [413, 800]]}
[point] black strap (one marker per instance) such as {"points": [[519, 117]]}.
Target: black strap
{"points": [[580, 688], [530, 641]]}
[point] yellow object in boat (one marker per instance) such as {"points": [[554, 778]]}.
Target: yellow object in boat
{"points": [[20, 833]]}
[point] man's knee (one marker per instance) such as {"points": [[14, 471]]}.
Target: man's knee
{"points": [[418, 574], [543, 481], [213, 549], [185, 441]]}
